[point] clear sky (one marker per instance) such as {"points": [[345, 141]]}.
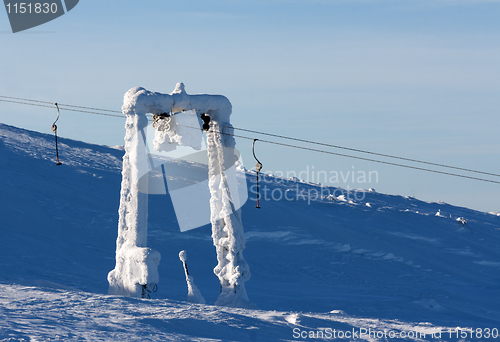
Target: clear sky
{"points": [[413, 78]]}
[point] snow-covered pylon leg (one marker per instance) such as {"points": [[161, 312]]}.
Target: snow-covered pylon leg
{"points": [[227, 230], [136, 267]]}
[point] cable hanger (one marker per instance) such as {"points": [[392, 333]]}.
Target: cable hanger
{"points": [[258, 167], [54, 129]]}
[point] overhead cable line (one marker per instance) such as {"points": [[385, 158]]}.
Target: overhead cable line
{"points": [[62, 107], [283, 144], [362, 151], [61, 104], [361, 158], [353, 157], [29, 104]]}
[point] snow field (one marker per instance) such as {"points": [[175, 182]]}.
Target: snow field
{"points": [[392, 265]]}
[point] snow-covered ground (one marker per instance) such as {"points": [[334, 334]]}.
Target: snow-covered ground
{"points": [[370, 263]]}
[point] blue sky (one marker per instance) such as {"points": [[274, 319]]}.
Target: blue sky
{"points": [[418, 79]]}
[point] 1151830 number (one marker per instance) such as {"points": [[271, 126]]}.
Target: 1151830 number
{"points": [[37, 8]]}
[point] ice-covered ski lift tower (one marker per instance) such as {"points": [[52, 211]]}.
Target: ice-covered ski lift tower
{"points": [[136, 267]]}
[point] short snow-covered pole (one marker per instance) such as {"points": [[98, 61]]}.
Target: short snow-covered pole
{"points": [[194, 295]]}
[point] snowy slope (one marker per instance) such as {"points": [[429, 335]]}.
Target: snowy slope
{"points": [[393, 264]]}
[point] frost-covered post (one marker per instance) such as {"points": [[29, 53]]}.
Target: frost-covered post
{"points": [[136, 267], [227, 230]]}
